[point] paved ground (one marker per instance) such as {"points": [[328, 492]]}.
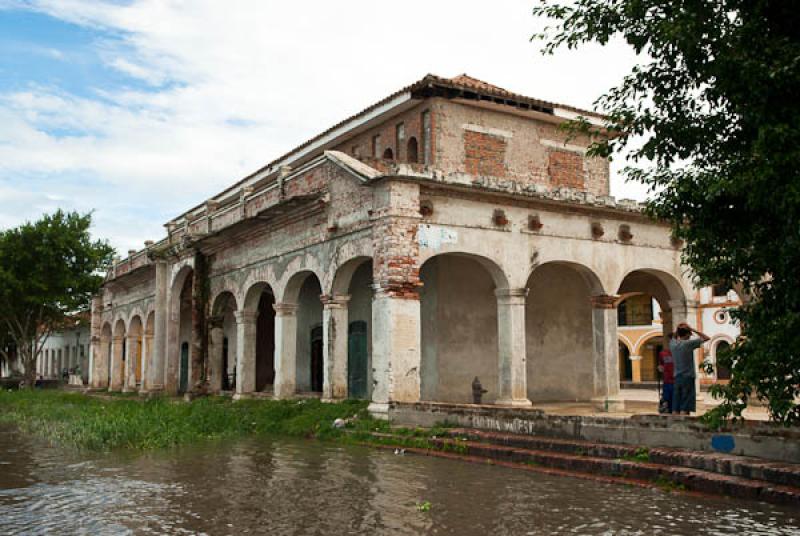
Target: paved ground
{"points": [[637, 402]]}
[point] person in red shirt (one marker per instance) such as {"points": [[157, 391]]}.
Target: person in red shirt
{"points": [[666, 366]]}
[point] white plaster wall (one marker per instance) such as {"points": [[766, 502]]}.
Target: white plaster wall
{"points": [[558, 324], [459, 330]]}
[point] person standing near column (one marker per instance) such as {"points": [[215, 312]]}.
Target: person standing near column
{"points": [[682, 347]]}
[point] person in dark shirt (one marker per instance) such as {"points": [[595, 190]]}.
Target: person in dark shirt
{"points": [[682, 347], [666, 366]]}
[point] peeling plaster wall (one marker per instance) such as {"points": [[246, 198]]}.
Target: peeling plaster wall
{"points": [[459, 329], [558, 324]]}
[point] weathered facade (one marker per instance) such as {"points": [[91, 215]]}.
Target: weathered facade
{"points": [[447, 232]]}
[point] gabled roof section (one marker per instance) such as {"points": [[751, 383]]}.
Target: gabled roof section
{"points": [[462, 86], [355, 167]]}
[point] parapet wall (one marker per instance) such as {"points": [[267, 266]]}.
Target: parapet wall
{"points": [[757, 439]]}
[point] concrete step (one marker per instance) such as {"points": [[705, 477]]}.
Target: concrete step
{"points": [[777, 473], [610, 469]]}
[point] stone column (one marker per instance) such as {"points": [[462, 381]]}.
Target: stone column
{"points": [[334, 349], [98, 367], [686, 311], [134, 343], [396, 351], [245, 351], [147, 356], [285, 350], [606, 354], [216, 336], [156, 369], [117, 364], [512, 384]]}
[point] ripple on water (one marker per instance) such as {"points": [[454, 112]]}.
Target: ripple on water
{"points": [[298, 487]]}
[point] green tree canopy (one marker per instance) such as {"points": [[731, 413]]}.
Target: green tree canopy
{"points": [[48, 269], [716, 99]]}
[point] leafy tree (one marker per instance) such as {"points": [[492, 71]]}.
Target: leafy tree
{"points": [[716, 99], [49, 269]]}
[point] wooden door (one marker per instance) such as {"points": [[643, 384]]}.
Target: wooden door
{"points": [[357, 360]]}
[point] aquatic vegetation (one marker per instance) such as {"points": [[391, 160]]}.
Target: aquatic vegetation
{"points": [[121, 422]]}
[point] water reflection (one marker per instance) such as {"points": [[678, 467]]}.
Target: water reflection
{"points": [[299, 487]]}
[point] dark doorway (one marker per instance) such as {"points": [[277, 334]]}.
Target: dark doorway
{"points": [[226, 384], [183, 383], [265, 342], [357, 360], [625, 365], [316, 359]]}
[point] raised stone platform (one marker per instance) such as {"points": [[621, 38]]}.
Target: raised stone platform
{"points": [[750, 438]]}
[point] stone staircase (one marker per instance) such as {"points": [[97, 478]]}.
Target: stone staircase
{"points": [[667, 468]]}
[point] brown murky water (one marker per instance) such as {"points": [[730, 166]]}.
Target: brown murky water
{"points": [[304, 487]]}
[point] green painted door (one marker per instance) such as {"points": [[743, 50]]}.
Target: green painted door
{"points": [[357, 360], [183, 384]]}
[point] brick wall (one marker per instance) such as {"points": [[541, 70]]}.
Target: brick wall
{"points": [[394, 232], [469, 137], [361, 145], [566, 169], [484, 154]]}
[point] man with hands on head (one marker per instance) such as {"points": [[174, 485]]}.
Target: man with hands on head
{"points": [[682, 347]]}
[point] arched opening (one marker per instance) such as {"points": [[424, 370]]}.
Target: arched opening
{"points": [[185, 333], [135, 343], [625, 368], [354, 279], [646, 305], [223, 343], [559, 332], [309, 343], [388, 154], [458, 318], [412, 150], [104, 365], [265, 341], [723, 373], [119, 357]]}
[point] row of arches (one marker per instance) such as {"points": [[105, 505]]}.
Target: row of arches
{"points": [[647, 352], [296, 338]]}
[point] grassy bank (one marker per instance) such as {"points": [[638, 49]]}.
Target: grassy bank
{"points": [[93, 423]]}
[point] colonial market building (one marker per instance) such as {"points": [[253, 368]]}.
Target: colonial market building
{"points": [[447, 232]]}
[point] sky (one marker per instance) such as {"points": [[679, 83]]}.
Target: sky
{"points": [[139, 110]]}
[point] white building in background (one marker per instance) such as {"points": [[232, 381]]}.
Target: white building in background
{"points": [[66, 350], [641, 333]]}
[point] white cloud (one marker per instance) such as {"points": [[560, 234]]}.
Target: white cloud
{"points": [[236, 84]]}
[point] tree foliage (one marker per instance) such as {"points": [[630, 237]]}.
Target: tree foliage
{"points": [[48, 269], [716, 99]]}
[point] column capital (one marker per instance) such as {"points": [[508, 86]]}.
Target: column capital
{"points": [[284, 309], [334, 300], [511, 296], [133, 337], [682, 304], [245, 317], [604, 301]]}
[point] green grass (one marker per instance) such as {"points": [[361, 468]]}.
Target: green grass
{"points": [[92, 423], [641, 454]]}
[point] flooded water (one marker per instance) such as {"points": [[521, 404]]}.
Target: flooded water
{"points": [[305, 487]]}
